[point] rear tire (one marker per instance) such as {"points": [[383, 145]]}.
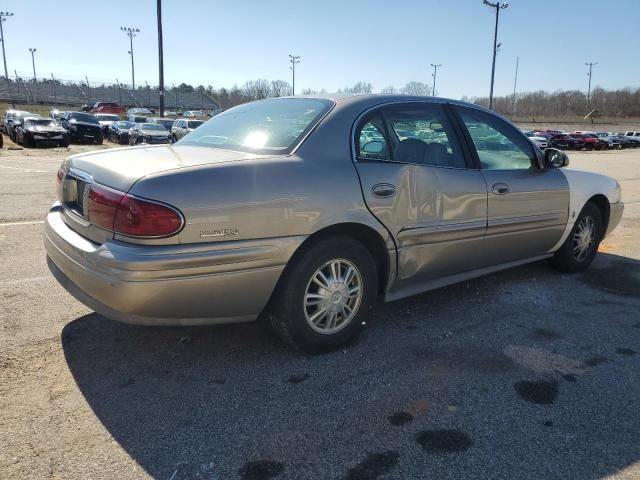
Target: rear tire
{"points": [[324, 295], [581, 246]]}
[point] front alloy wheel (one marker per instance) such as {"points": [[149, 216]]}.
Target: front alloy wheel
{"points": [[584, 238], [581, 246]]}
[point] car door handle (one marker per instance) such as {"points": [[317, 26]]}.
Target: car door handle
{"points": [[500, 188], [383, 190]]}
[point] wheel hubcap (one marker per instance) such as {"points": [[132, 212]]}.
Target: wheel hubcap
{"points": [[583, 238], [332, 296]]}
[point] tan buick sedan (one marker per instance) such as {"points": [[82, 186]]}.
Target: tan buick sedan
{"points": [[305, 210]]}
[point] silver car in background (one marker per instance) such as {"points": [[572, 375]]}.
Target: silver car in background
{"points": [[306, 210]]}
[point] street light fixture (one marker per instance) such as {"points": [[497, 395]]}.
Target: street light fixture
{"points": [[294, 59], [434, 75], [3, 18], [498, 6], [131, 32], [33, 63]]}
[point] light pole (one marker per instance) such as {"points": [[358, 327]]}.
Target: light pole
{"points": [[294, 59], [590, 65], [498, 6], [160, 59], [131, 32], [3, 18], [515, 83], [434, 75], [33, 63]]}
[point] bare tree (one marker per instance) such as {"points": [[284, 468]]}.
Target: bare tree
{"points": [[416, 88], [256, 89], [389, 90], [360, 87], [280, 88]]}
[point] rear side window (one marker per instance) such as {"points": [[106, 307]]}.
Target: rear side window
{"points": [[421, 134], [372, 141], [499, 146]]}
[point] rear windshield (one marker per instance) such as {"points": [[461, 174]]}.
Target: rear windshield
{"points": [[194, 123], [125, 124], [83, 117], [268, 126]]}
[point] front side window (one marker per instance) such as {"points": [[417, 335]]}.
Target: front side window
{"points": [[498, 146], [273, 126]]}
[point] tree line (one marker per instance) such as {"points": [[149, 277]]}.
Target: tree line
{"points": [[620, 103]]}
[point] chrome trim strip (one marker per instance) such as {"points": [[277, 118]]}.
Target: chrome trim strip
{"points": [[441, 233], [520, 224]]}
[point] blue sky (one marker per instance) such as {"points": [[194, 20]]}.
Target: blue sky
{"points": [[222, 42]]}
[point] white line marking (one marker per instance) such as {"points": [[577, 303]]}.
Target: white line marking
{"points": [[13, 224], [26, 170], [23, 280]]}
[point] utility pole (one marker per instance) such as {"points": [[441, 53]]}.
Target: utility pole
{"points": [[131, 32], [515, 82], [160, 59], [53, 84], [3, 18], [33, 63], [434, 75], [498, 6], [590, 65], [294, 59]]}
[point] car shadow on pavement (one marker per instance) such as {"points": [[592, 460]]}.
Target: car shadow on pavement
{"points": [[523, 374]]}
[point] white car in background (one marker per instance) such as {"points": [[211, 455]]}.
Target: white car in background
{"points": [[541, 142]]}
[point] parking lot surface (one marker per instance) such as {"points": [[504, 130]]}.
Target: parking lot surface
{"points": [[527, 373]]}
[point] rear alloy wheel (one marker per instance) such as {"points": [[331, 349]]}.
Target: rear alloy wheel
{"points": [[581, 246], [324, 296]]}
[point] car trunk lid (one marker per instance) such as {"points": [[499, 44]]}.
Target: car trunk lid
{"points": [[119, 169]]}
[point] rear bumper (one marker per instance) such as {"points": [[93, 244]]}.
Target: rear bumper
{"points": [[175, 285]]}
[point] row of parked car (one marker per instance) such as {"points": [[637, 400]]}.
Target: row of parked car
{"points": [[61, 128], [115, 109], [584, 140]]}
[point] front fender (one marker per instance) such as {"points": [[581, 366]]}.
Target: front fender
{"points": [[582, 187]]}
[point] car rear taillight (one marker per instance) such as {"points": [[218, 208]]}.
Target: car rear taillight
{"points": [[103, 205], [142, 218], [131, 216]]}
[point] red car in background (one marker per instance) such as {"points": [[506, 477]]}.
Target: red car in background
{"points": [[565, 141], [108, 107], [591, 140]]}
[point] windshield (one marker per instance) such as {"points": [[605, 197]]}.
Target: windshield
{"points": [[265, 126], [194, 123], [165, 122], [39, 122], [153, 126], [111, 118], [83, 117]]}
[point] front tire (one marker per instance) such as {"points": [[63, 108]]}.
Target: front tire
{"points": [[581, 246], [324, 295]]}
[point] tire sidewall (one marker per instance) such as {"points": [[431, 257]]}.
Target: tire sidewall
{"points": [[296, 280]]}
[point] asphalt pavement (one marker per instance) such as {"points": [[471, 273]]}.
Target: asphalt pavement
{"points": [[527, 373]]}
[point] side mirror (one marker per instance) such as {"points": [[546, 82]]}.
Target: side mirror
{"points": [[555, 158], [374, 147]]}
